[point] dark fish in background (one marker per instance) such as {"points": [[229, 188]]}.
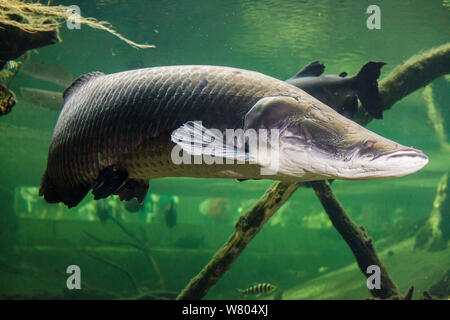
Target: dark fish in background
{"points": [[133, 205], [102, 210], [340, 92], [170, 215], [48, 72], [117, 131], [257, 289], [46, 99]]}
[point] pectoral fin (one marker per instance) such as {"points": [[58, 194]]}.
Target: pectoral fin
{"points": [[109, 181], [113, 180], [197, 140], [133, 189]]}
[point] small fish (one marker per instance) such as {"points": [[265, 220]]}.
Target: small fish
{"points": [[13, 66], [170, 215], [322, 269], [339, 92], [259, 288], [46, 99], [49, 73]]}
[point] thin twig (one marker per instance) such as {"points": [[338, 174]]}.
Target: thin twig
{"points": [[114, 243], [140, 245], [116, 266], [125, 230]]}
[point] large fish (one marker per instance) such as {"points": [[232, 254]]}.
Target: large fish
{"points": [[117, 131], [340, 92]]}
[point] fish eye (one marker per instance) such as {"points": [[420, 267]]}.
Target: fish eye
{"points": [[367, 144]]}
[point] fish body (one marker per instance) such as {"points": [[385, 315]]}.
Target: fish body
{"points": [[259, 289], [117, 131], [47, 99], [339, 91]]}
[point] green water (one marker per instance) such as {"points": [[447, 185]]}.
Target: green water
{"points": [[277, 38]]}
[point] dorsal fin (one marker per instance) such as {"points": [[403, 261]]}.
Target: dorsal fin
{"points": [[80, 81], [314, 69]]}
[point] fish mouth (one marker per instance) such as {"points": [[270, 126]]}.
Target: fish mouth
{"points": [[391, 164], [409, 153], [402, 162], [388, 165]]}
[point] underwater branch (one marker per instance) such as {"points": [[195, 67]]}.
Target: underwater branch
{"points": [[246, 228], [36, 17], [356, 238]]}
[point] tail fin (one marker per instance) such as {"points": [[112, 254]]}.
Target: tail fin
{"points": [[366, 86]]}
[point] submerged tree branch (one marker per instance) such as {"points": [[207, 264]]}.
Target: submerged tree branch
{"points": [[247, 226], [138, 244], [435, 233], [117, 267], [39, 18], [356, 238]]}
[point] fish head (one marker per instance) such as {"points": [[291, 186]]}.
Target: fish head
{"points": [[315, 142], [272, 288]]}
